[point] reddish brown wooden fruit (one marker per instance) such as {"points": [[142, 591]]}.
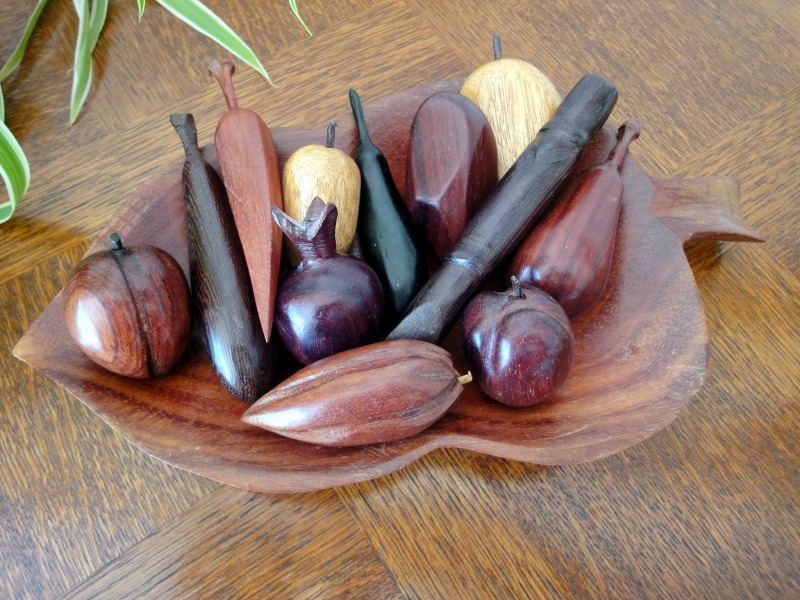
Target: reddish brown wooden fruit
{"points": [[249, 166], [452, 167], [569, 254], [128, 309], [372, 394]]}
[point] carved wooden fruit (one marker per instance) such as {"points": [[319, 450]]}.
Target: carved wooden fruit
{"points": [[368, 395], [517, 98], [331, 302], [249, 164], [330, 174], [128, 309], [452, 167], [645, 340], [568, 255], [519, 344]]}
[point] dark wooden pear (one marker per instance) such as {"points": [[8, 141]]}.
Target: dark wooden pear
{"points": [[385, 229], [568, 255], [515, 204], [223, 299], [331, 302], [452, 167]]}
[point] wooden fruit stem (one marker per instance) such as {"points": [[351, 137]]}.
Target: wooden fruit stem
{"points": [[498, 50], [222, 70], [628, 132], [116, 241], [184, 125], [330, 135], [516, 289], [466, 378], [358, 115], [315, 236]]}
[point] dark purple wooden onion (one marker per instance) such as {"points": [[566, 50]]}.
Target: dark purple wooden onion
{"points": [[331, 302]]}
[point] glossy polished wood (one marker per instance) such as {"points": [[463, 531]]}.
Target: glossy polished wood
{"points": [[452, 167], [632, 328], [519, 344], [520, 198], [221, 292], [568, 255], [128, 309], [368, 395], [330, 302], [705, 508], [249, 164]]}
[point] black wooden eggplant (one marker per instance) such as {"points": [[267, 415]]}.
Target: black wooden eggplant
{"points": [[385, 229], [221, 292]]}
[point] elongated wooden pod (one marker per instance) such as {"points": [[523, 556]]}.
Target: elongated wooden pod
{"points": [[452, 167], [223, 300], [515, 204], [385, 229], [249, 166]]}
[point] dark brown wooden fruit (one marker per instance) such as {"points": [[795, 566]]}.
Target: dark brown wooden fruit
{"points": [[568, 255], [519, 344], [331, 302], [645, 341], [452, 167], [515, 204], [249, 166], [128, 309], [223, 299], [368, 395]]}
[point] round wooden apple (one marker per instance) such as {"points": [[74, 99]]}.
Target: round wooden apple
{"points": [[519, 344]]}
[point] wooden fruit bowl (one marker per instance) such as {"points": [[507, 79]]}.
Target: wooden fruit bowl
{"points": [[641, 351]]}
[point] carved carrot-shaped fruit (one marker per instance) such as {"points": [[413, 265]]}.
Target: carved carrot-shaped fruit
{"points": [[517, 99], [221, 292], [330, 174], [377, 393], [452, 167], [568, 255], [250, 171]]}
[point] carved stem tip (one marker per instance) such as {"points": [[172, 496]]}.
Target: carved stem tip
{"points": [[516, 289], [184, 125], [222, 70], [496, 47], [116, 241], [358, 115], [330, 136], [628, 132]]}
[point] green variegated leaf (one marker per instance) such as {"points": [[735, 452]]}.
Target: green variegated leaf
{"points": [[14, 170], [2, 107], [141, 8], [82, 69], [97, 18], [293, 5], [198, 16], [16, 56]]}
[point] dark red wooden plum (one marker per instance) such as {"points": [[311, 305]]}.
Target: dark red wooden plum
{"points": [[452, 167], [569, 254], [519, 344], [331, 302]]}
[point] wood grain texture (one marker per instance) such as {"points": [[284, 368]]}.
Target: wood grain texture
{"points": [[706, 508]]}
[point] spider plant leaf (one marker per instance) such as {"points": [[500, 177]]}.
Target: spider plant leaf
{"points": [[141, 8], [16, 56], [14, 170], [97, 19], [2, 107], [82, 70], [293, 6], [195, 14]]}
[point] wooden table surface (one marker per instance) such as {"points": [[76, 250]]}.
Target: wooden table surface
{"points": [[705, 508]]}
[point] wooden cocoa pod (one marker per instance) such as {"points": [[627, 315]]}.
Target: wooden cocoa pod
{"points": [[377, 393], [128, 309]]}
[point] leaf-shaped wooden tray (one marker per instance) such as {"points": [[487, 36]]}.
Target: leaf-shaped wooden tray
{"points": [[641, 351]]}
